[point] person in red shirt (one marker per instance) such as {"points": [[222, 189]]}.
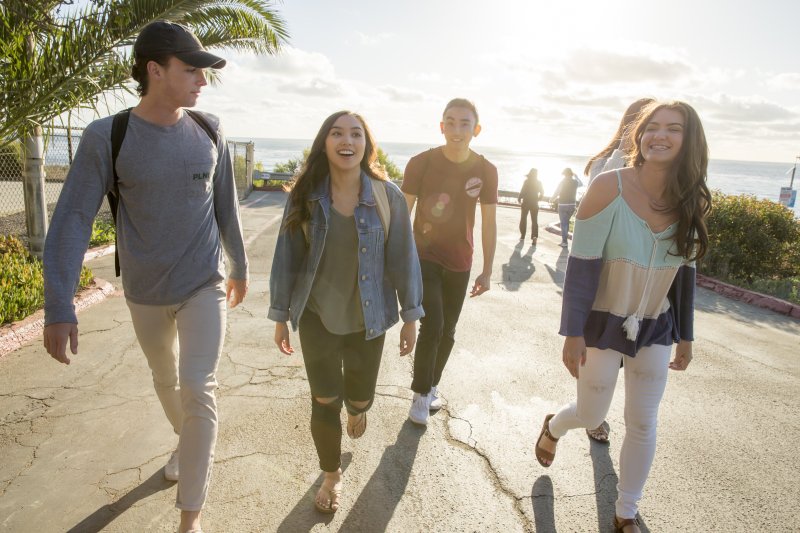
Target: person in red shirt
{"points": [[446, 184]]}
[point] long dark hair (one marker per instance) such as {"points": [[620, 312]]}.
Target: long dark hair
{"points": [[629, 117], [317, 168], [687, 191]]}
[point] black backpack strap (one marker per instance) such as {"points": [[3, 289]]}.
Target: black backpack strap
{"points": [[203, 123], [118, 128]]}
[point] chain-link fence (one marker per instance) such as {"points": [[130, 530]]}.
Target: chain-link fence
{"points": [[60, 149], [242, 154]]}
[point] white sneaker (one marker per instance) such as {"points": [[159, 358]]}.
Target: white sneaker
{"points": [[563, 245], [436, 402], [171, 468], [419, 411]]}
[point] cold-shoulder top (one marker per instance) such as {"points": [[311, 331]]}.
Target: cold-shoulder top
{"points": [[623, 288]]}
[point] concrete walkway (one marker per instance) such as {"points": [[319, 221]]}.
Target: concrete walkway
{"points": [[83, 445]]}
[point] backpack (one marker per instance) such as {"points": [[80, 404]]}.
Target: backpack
{"points": [[118, 129], [381, 203]]}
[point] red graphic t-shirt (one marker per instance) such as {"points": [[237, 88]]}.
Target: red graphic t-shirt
{"points": [[446, 194]]}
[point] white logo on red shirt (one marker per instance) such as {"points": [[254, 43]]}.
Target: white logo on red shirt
{"points": [[473, 187]]}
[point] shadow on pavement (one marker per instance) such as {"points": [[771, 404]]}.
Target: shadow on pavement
{"points": [[378, 500], [519, 267], [101, 518], [542, 501], [303, 517], [605, 483], [557, 274]]}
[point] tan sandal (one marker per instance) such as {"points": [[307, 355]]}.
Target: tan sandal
{"points": [[621, 523], [333, 501], [358, 429], [600, 433], [543, 455]]}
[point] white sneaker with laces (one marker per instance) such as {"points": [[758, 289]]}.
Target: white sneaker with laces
{"points": [[436, 402], [171, 468], [419, 411]]}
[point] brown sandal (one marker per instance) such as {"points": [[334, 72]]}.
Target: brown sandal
{"points": [[543, 455], [358, 429], [600, 433], [621, 523]]}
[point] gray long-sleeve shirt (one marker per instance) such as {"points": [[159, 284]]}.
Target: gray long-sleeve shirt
{"points": [[178, 209]]}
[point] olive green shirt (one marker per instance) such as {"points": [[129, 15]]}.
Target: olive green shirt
{"points": [[334, 294]]}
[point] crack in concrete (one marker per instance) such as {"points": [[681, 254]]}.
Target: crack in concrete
{"points": [[34, 455], [245, 456], [105, 330], [496, 478]]}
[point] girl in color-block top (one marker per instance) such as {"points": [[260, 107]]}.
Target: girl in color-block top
{"points": [[629, 289], [613, 156]]}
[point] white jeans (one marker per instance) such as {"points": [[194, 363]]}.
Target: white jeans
{"points": [[645, 381], [182, 344]]}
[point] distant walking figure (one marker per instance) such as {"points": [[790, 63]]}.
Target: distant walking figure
{"points": [[529, 197], [639, 230], [345, 254], [177, 212], [566, 193], [446, 184]]}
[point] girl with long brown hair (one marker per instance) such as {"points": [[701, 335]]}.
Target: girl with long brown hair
{"points": [[345, 255], [639, 230]]}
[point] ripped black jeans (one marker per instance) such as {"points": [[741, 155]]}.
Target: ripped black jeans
{"points": [[341, 366]]}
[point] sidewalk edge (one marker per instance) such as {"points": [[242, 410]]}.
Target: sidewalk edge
{"points": [[757, 299], [17, 334]]}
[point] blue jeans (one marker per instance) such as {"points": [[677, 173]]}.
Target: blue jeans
{"points": [[565, 212]]}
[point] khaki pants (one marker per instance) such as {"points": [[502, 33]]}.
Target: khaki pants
{"points": [[182, 344]]}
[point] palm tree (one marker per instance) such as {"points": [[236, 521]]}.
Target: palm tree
{"points": [[57, 57]]}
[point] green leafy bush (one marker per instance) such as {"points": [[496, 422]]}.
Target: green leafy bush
{"points": [[103, 232], [392, 170], [21, 281], [293, 165], [11, 161], [751, 239]]}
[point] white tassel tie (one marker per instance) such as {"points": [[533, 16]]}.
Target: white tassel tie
{"points": [[631, 327], [631, 324]]}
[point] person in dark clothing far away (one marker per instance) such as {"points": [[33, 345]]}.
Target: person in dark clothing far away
{"points": [[529, 197]]}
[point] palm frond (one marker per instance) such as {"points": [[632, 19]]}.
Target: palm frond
{"points": [[54, 62]]}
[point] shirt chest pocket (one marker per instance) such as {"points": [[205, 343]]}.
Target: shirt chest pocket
{"points": [[198, 177]]}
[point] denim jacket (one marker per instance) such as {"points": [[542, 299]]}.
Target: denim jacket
{"points": [[388, 268]]}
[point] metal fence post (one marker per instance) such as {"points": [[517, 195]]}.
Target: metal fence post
{"points": [[251, 163], [33, 188]]}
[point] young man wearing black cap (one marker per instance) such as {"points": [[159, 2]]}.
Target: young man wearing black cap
{"points": [[178, 211]]}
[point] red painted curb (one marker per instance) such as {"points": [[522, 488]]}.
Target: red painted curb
{"points": [[764, 301], [17, 334]]}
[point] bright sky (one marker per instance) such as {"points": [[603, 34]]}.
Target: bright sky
{"points": [[547, 76]]}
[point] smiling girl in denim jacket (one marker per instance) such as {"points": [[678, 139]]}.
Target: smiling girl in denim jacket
{"points": [[341, 263]]}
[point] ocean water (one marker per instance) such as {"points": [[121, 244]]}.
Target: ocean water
{"points": [[761, 179]]}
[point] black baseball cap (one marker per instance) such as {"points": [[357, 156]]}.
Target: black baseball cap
{"points": [[163, 37]]}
